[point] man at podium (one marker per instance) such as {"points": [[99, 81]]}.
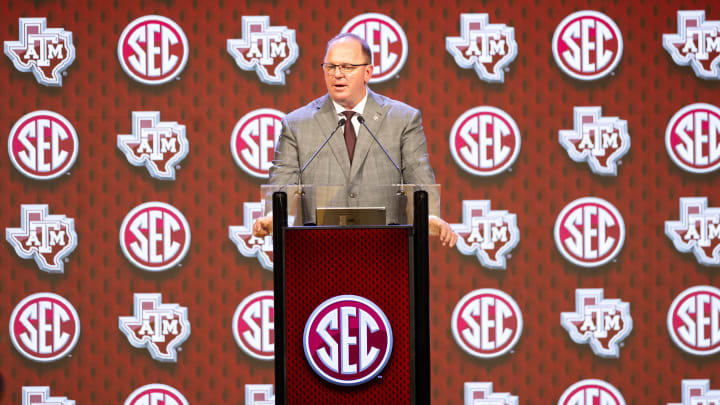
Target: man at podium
{"points": [[379, 140]]}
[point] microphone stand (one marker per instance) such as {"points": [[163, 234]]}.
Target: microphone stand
{"points": [[402, 197], [340, 123], [361, 120]]}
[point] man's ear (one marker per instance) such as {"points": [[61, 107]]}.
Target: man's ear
{"points": [[368, 73]]}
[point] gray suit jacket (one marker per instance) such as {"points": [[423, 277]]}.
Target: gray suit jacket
{"points": [[396, 125]]}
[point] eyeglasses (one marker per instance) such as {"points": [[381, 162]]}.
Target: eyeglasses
{"points": [[345, 68]]}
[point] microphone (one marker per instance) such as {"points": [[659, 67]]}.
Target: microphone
{"points": [[308, 205], [361, 120], [339, 124], [398, 217]]}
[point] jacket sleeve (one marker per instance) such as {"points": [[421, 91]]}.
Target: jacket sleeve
{"points": [[285, 166], [415, 160]]}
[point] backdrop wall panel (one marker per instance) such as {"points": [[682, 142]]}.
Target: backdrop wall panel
{"points": [[211, 94]]}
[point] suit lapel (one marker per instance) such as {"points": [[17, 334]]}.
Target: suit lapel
{"points": [[327, 118], [374, 115]]}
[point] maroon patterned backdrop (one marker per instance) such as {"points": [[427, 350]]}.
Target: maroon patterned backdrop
{"points": [[212, 94]]}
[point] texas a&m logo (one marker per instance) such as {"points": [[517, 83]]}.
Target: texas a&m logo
{"points": [[481, 393], [156, 394], [487, 323], [587, 45], [46, 52], [41, 396], [489, 235], [48, 239], [253, 141], [259, 394], [698, 392], [589, 232], [253, 325], [157, 145], [155, 236], [347, 340], [249, 245], [43, 145], [600, 141], [161, 328], [268, 50], [697, 231], [591, 392], [697, 43], [692, 138], [694, 320], [487, 48], [387, 41], [44, 327], [485, 141], [603, 323], [153, 49]]}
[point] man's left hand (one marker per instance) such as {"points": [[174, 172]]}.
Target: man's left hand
{"points": [[437, 226]]}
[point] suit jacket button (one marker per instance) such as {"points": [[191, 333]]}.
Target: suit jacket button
{"points": [[352, 195]]}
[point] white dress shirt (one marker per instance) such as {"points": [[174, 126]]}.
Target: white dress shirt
{"points": [[359, 109]]}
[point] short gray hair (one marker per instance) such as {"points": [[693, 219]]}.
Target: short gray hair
{"points": [[363, 44]]}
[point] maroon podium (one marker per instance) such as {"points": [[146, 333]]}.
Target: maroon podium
{"points": [[351, 302]]}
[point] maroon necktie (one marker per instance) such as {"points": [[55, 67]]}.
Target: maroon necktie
{"points": [[350, 137]]}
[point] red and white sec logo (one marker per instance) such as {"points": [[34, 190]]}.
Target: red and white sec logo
{"points": [[253, 325], [387, 41], [589, 232], [153, 394], [692, 138], [44, 327], [155, 236], [485, 141], [43, 145], [253, 141], [153, 49], [591, 392], [694, 320], [587, 45], [347, 340], [487, 323]]}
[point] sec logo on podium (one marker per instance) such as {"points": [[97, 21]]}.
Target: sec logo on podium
{"points": [[364, 335]]}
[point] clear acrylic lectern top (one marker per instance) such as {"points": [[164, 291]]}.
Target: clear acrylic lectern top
{"points": [[308, 203]]}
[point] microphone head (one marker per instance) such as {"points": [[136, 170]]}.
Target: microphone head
{"points": [[341, 122], [360, 119]]}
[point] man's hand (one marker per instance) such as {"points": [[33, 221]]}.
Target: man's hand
{"points": [[436, 226], [263, 226]]}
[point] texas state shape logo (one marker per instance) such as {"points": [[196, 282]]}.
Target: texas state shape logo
{"points": [[46, 52], [599, 141], [46, 238], [268, 50], [161, 328], [697, 230], [158, 145], [601, 322], [488, 234], [697, 43], [487, 48]]}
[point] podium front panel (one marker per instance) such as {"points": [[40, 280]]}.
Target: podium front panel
{"points": [[373, 263]]}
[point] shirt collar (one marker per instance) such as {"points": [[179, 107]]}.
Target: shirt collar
{"points": [[359, 108]]}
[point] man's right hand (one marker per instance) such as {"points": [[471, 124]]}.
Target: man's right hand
{"points": [[263, 226]]}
